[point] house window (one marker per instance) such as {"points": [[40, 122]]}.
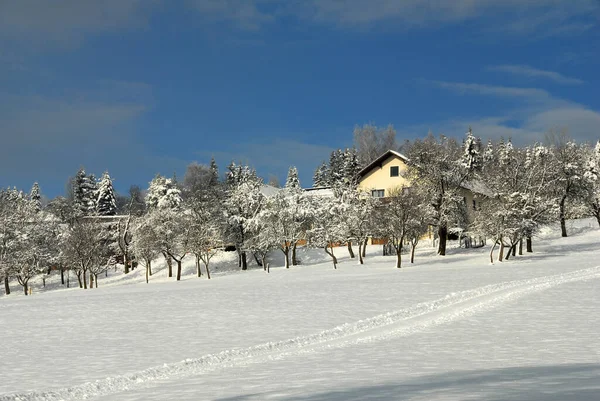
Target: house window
{"points": [[377, 193], [394, 171]]}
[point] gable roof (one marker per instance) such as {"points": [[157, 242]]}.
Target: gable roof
{"points": [[379, 162]]}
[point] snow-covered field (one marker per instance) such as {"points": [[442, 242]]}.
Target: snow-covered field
{"points": [[445, 328]]}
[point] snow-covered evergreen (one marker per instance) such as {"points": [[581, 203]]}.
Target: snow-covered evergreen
{"points": [[321, 176], [292, 180], [106, 204], [163, 193], [35, 197]]}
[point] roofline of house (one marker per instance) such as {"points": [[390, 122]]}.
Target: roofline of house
{"points": [[379, 161], [315, 188]]}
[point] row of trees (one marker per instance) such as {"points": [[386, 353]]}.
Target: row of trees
{"points": [[519, 190]]}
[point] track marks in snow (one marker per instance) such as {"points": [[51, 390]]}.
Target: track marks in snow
{"points": [[401, 323]]}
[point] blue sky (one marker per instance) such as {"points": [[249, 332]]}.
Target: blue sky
{"points": [[139, 87]]}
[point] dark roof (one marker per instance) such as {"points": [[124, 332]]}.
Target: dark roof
{"points": [[379, 161]]}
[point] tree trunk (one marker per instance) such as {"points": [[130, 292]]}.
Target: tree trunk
{"points": [[84, 280], [62, 276], [529, 245], [443, 236], [492, 252], [350, 251], [96, 279], [514, 249], [294, 259], [501, 252], [365, 247], [169, 264], [244, 261], [126, 262], [198, 270], [6, 286], [360, 253], [207, 271], [239, 257], [399, 257], [79, 279], [147, 272], [286, 255], [91, 280], [264, 262], [511, 251], [563, 225], [256, 259], [178, 269], [521, 247], [412, 252], [25, 288], [330, 253], [150, 267], [597, 214]]}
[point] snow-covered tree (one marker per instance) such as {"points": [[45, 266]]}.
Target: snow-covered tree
{"points": [[82, 249], [568, 168], [243, 202], [163, 193], [518, 201], [15, 211], [292, 180], [402, 218], [327, 231], [285, 218], [472, 157], [106, 204], [358, 218], [321, 176], [84, 191], [35, 197], [437, 165], [145, 242], [174, 228], [592, 182]]}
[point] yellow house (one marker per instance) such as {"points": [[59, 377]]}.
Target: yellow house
{"points": [[388, 171], [383, 174]]}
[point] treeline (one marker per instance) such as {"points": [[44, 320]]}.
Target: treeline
{"points": [[518, 189]]}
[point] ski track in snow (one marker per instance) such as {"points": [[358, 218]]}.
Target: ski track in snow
{"points": [[396, 324]]}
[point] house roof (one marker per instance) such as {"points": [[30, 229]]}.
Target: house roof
{"points": [[379, 162], [319, 191], [477, 187]]}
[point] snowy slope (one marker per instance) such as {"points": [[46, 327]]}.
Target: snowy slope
{"points": [[445, 328]]}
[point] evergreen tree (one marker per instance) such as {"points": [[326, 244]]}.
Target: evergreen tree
{"points": [[106, 204], [472, 155], [214, 173], [350, 166], [35, 197], [292, 178], [79, 193], [163, 194], [321, 176]]}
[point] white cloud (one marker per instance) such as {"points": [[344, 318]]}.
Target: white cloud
{"points": [[535, 112], [531, 72], [494, 90], [67, 22], [543, 17]]}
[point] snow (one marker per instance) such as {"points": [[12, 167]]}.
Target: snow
{"points": [[445, 328]]}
